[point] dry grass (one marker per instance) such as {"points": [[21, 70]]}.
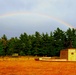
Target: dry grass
{"points": [[28, 66]]}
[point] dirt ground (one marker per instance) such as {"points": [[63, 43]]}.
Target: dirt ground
{"points": [[28, 66]]}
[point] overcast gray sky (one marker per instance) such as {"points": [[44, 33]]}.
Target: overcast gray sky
{"points": [[19, 16]]}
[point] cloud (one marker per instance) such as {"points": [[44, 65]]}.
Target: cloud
{"points": [[29, 23], [62, 9], [52, 7]]}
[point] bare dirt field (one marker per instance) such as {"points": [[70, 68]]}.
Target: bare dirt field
{"points": [[28, 66]]}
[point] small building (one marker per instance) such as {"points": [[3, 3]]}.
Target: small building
{"points": [[69, 54], [15, 55]]}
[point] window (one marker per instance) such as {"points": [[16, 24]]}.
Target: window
{"points": [[72, 53]]}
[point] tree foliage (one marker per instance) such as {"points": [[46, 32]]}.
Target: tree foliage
{"points": [[38, 44]]}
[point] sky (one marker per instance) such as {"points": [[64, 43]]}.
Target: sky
{"points": [[19, 16]]}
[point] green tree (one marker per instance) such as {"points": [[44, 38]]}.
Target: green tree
{"points": [[71, 37], [25, 43], [74, 38], [45, 44], [51, 45], [36, 43], [4, 42], [1, 49], [11, 46], [59, 37]]}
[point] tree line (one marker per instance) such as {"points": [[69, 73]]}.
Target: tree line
{"points": [[38, 44]]}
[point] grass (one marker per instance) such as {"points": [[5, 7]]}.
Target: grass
{"points": [[28, 66]]}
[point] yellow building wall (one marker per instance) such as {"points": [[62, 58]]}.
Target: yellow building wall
{"points": [[71, 54]]}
